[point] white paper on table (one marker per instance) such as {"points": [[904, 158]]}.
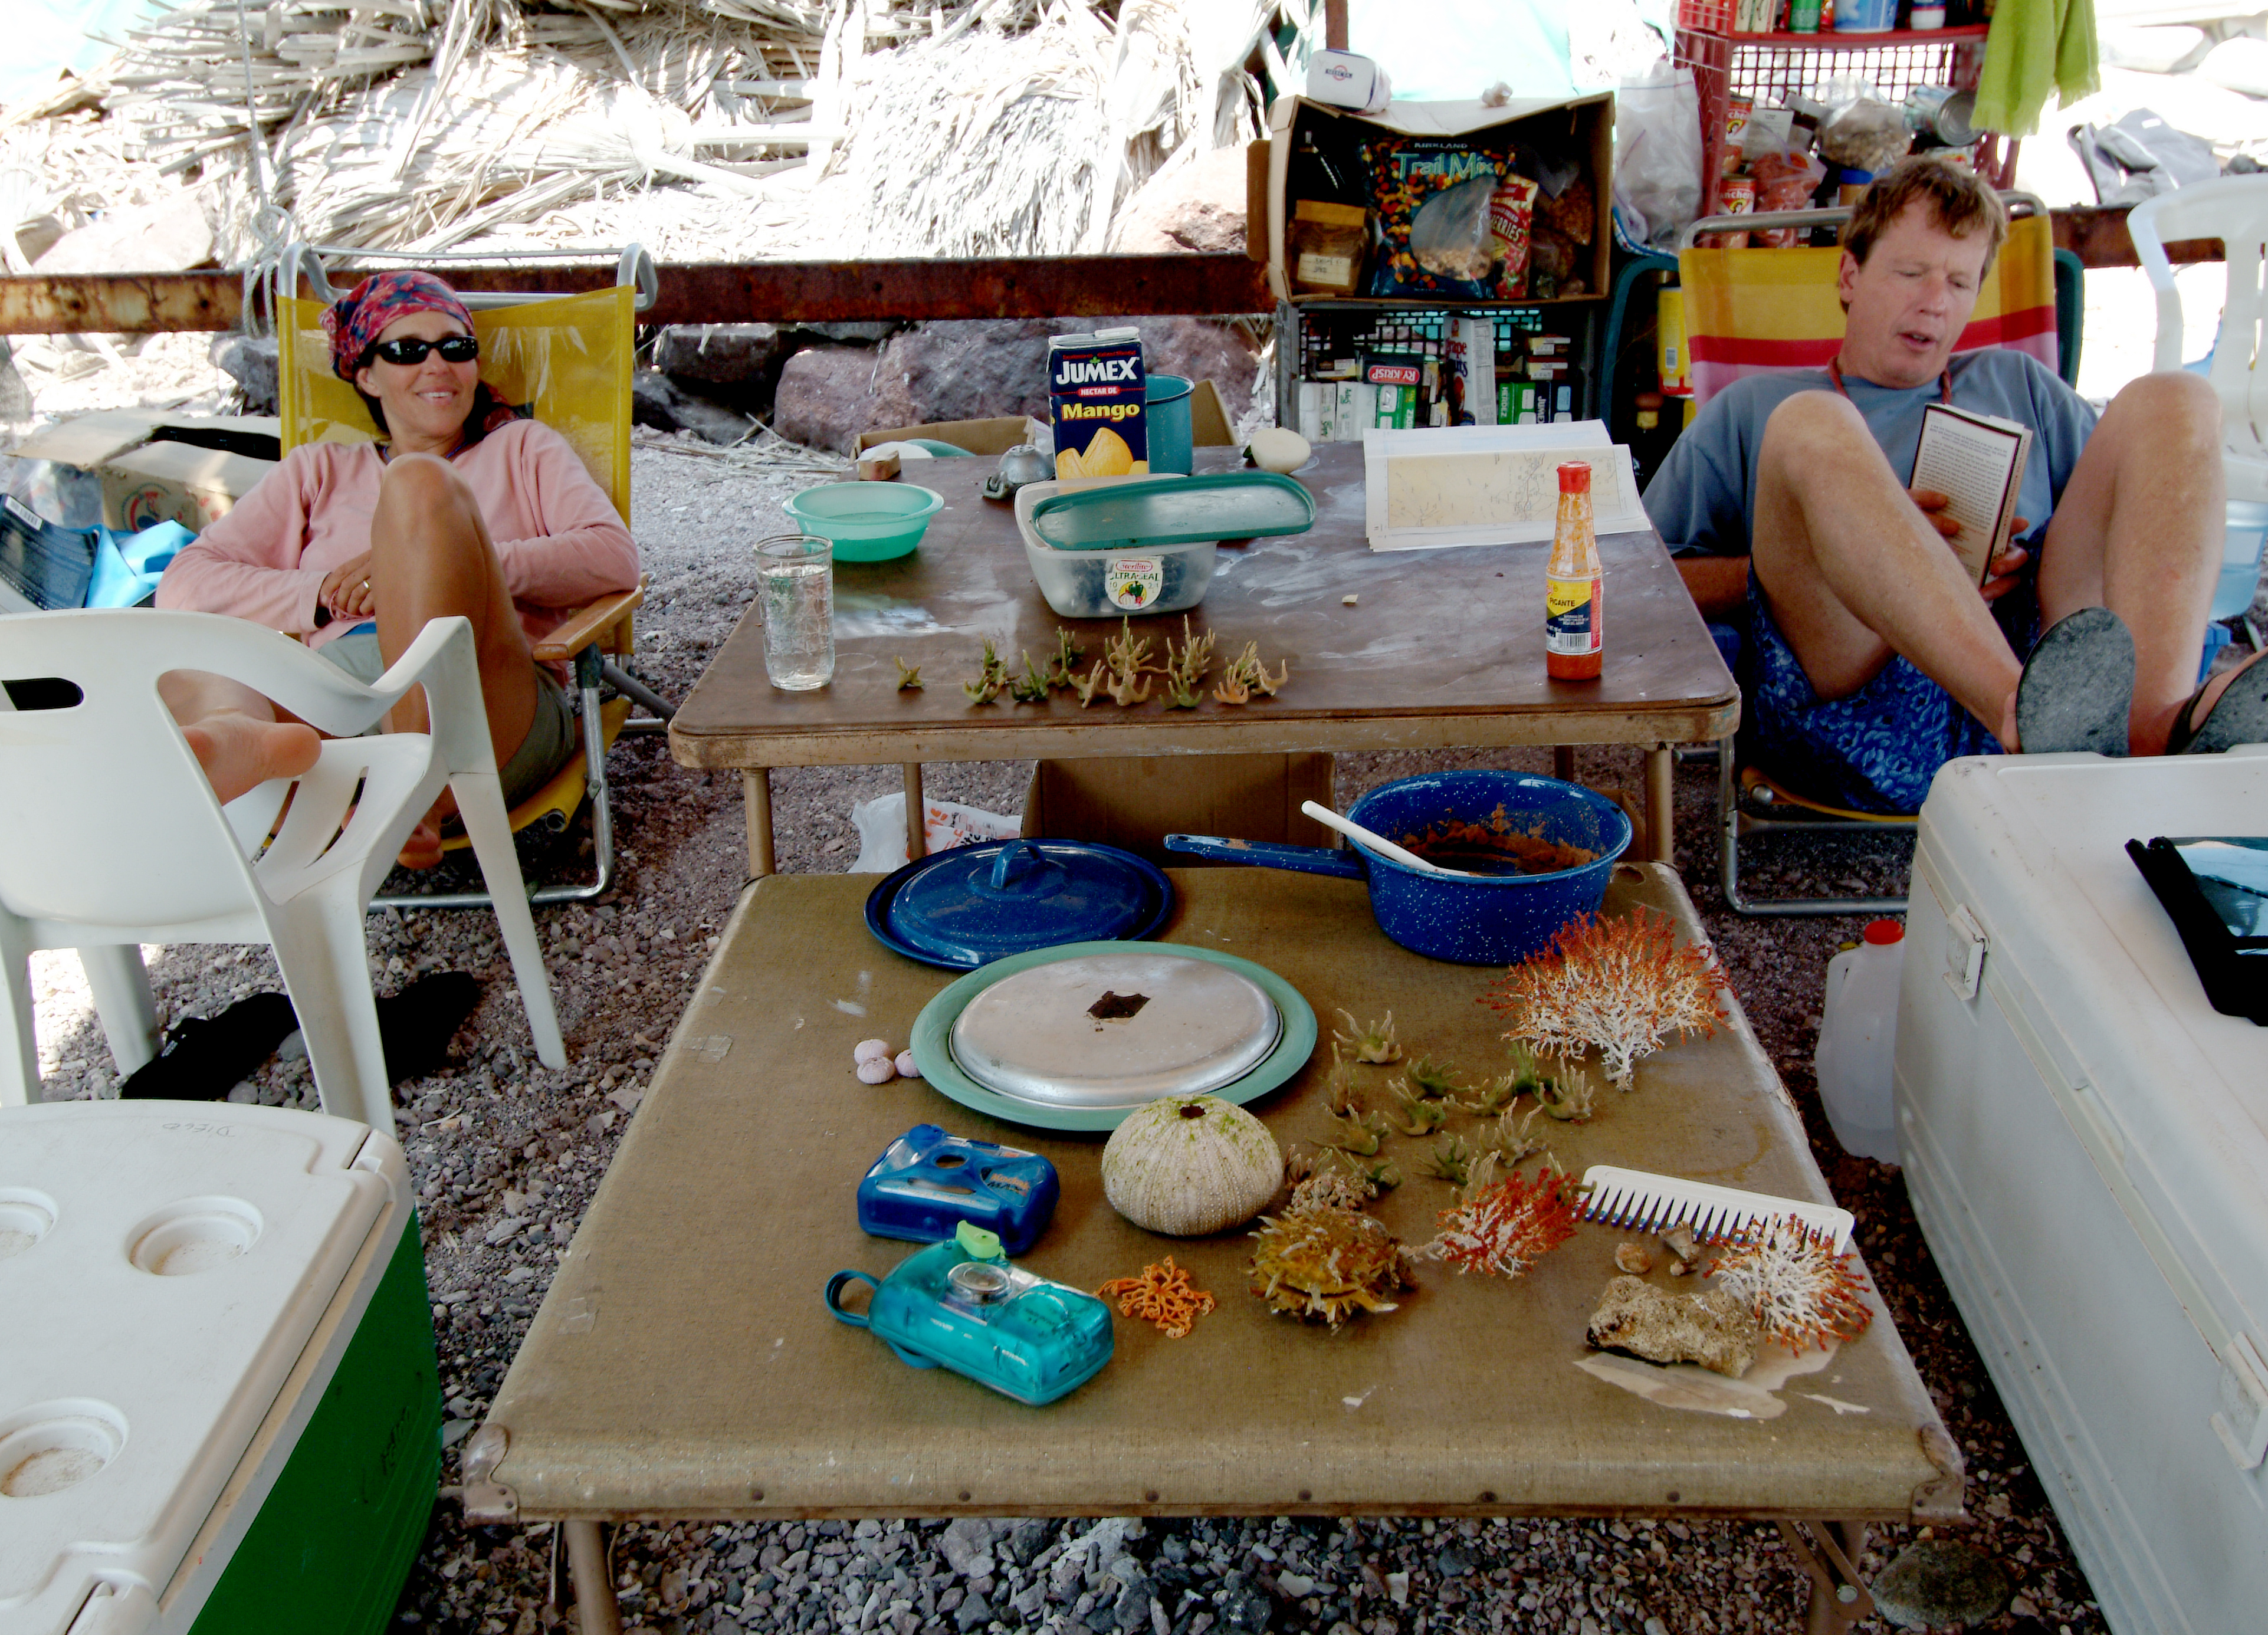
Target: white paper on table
{"points": [[1490, 485]]}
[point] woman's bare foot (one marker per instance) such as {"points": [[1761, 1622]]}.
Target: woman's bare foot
{"points": [[241, 752], [422, 848]]}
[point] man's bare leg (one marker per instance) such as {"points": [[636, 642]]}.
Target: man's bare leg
{"points": [[2138, 531], [432, 558], [233, 732], [1854, 573]]}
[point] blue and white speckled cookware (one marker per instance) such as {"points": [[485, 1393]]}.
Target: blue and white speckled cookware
{"points": [[1472, 919]]}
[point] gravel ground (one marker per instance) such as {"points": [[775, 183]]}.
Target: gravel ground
{"points": [[505, 1154]]}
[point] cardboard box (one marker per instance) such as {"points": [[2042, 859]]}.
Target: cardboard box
{"points": [[161, 468], [1587, 122], [979, 436]]}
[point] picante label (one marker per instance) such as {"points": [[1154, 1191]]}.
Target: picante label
{"points": [[1571, 621], [1095, 386], [1133, 582]]}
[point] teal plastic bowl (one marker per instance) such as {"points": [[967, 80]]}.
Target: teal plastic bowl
{"points": [[867, 521]]}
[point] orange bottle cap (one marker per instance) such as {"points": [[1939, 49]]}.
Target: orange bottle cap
{"points": [[1574, 478]]}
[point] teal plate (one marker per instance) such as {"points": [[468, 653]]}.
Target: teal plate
{"points": [[934, 1031]]}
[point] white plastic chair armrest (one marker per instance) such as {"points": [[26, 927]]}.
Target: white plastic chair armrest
{"points": [[444, 660]]}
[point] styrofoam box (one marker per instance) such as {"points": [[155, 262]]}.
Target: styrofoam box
{"points": [[2083, 1138], [177, 1283]]}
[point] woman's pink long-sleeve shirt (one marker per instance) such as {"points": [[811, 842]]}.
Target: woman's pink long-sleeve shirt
{"points": [[559, 536]]}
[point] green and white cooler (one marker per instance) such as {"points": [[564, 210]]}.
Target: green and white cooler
{"points": [[218, 1409], [2085, 1142]]}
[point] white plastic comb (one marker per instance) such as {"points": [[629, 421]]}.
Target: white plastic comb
{"points": [[1637, 1201]]}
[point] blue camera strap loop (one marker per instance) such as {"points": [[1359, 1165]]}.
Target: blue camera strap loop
{"points": [[836, 1284]]}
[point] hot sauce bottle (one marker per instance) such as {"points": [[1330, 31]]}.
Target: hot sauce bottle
{"points": [[1573, 585]]}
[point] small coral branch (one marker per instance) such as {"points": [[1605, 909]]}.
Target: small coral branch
{"points": [[1509, 1225], [1623, 985], [1325, 1261], [1375, 1044], [991, 679], [908, 675], [1803, 1293], [1413, 1113], [1163, 1295], [1451, 1161], [1357, 1132]]}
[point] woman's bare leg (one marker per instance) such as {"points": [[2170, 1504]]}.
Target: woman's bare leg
{"points": [[234, 733]]}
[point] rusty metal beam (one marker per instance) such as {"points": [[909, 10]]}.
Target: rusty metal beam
{"points": [[1076, 286], [2097, 235]]}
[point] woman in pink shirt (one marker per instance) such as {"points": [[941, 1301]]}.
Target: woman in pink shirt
{"points": [[464, 509]]}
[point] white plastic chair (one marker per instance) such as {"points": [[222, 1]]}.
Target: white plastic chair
{"points": [[2234, 210], [110, 836]]}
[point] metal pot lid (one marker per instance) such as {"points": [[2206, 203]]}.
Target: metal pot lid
{"points": [[974, 904], [1115, 1029]]}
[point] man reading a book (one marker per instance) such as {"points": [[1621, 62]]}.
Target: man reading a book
{"points": [[1873, 654]]}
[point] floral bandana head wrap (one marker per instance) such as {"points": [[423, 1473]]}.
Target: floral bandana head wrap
{"points": [[358, 318]]}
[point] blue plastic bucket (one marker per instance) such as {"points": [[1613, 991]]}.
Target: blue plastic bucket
{"points": [[1866, 17], [1166, 408]]}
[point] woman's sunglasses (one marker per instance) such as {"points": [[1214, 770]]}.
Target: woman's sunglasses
{"points": [[456, 348]]}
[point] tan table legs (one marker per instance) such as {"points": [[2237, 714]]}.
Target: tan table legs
{"points": [[917, 815], [597, 1612], [756, 795], [1661, 830]]}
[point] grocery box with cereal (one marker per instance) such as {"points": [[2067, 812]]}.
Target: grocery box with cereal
{"points": [[1096, 387]]}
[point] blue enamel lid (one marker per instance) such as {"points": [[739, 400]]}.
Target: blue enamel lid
{"points": [[964, 908]]}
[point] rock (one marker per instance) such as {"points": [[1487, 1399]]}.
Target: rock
{"points": [[1938, 1584], [249, 360], [964, 369], [1451, 1563], [1709, 1328], [1299, 1586], [1029, 1538], [1199, 206], [866, 332], [171, 236], [721, 353], [967, 1545], [15, 396], [823, 396], [658, 402], [972, 1613]]}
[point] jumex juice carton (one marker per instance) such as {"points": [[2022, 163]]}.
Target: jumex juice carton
{"points": [[1095, 385]]}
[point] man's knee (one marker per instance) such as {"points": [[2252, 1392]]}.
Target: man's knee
{"points": [[2168, 409], [1816, 434]]}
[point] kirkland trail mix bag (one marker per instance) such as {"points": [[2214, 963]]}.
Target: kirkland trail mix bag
{"points": [[1433, 196]]}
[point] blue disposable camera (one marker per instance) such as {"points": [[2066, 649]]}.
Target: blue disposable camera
{"points": [[961, 1303], [928, 1182]]}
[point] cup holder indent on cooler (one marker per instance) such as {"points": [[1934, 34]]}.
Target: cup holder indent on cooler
{"points": [[26, 1217], [194, 1235], [52, 1445]]}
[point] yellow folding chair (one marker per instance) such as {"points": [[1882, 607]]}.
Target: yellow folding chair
{"points": [[568, 358], [1748, 310]]}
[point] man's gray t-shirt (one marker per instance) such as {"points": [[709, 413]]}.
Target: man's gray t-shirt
{"points": [[1701, 499]]}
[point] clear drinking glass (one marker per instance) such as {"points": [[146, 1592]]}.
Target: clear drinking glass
{"points": [[795, 585]]}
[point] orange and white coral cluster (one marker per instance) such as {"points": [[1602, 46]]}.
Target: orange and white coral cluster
{"points": [[1508, 1226], [1622, 985], [1163, 1295], [1804, 1294]]}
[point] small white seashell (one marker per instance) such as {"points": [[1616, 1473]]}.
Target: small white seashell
{"points": [[877, 1071], [872, 1050], [1350, 600], [905, 1064]]}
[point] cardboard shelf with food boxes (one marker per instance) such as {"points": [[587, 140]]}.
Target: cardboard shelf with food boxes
{"points": [[1437, 263]]}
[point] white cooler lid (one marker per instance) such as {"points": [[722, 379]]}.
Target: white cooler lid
{"points": [[2035, 846], [162, 1264]]}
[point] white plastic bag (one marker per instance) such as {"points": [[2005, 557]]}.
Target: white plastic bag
{"points": [[881, 824], [1658, 155]]}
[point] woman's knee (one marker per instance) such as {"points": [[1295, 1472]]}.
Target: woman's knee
{"points": [[422, 497]]}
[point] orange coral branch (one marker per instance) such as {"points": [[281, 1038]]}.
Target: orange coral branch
{"points": [[1622, 985], [1510, 1225], [1162, 1294], [1804, 1293]]}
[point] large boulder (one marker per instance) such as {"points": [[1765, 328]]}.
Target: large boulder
{"points": [[735, 355], [964, 369], [1197, 206], [823, 397], [173, 235], [251, 362], [658, 402]]}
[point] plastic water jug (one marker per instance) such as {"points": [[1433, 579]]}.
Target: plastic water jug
{"points": [[1858, 1028]]}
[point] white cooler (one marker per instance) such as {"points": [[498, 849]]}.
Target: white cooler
{"points": [[217, 1403], [2086, 1141]]}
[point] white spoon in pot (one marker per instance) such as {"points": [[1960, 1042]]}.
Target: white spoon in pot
{"points": [[1379, 844]]}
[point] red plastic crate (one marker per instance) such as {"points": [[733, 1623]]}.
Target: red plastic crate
{"points": [[1713, 17]]}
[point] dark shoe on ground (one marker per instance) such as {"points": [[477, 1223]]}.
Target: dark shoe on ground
{"points": [[2078, 687], [203, 1058], [417, 1023], [2239, 715]]}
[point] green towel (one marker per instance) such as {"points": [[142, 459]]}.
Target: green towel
{"points": [[2035, 45]]}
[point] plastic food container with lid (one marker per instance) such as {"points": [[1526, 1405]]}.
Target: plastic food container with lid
{"points": [[1141, 545]]}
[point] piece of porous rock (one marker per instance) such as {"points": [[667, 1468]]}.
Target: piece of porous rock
{"points": [[1709, 1328], [249, 360], [1199, 206], [1942, 1584], [721, 353], [825, 397], [963, 369]]}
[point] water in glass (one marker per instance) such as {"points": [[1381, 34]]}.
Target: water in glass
{"points": [[796, 586]]}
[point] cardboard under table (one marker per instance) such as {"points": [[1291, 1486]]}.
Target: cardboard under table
{"points": [[683, 1366]]}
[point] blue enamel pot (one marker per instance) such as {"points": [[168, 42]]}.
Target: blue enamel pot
{"points": [[1494, 919]]}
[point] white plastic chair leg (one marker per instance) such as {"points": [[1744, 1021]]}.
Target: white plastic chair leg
{"points": [[121, 985], [20, 1047], [326, 968], [479, 805]]}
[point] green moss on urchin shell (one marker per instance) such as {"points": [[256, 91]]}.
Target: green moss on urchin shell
{"points": [[1188, 1165]]}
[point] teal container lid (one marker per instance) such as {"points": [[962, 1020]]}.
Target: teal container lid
{"points": [[1174, 510]]}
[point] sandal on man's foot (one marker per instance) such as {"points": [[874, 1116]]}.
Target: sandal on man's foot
{"points": [[2239, 715], [2078, 687]]}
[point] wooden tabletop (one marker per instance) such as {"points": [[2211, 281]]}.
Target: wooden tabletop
{"points": [[682, 1365], [1442, 649]]}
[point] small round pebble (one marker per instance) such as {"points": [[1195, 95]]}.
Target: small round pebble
{"points": [[876, 1070], [872, 1050], [905, 1064]]}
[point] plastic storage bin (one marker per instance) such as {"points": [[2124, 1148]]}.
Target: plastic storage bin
{"points": [[1105, 584], [1857, 1030], [2240, 558], [218, 1410], [2083, 1137]]}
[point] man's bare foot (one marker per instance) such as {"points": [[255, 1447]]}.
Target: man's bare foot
{"points": [[241, 752], [422, 848]]}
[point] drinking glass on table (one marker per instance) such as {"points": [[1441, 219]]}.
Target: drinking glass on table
{"points": [[795, 585]]}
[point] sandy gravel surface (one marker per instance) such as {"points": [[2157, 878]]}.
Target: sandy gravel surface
{"points": [[506, 1153]]}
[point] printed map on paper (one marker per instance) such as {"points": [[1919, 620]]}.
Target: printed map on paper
{"points": [[1425, 494]]}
